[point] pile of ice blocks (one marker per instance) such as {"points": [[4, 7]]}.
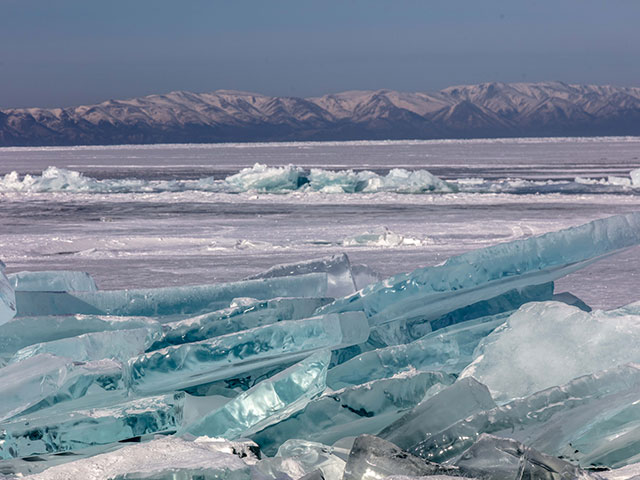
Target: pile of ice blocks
{"points": [[471, 369]]}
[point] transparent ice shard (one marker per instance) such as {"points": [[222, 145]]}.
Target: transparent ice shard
{"points": [[429, 293], [549, 343], [169, 300], [45, 380], [366, 408], [116, 344], [364, 275], [50, 431], [231, 355], [337, 268], [241, 316], [449, 349], [438, 412], [495, 458], [7, 298], [169, 458], [571, 299], [372, 458], [298, 458], [24, 331], [407, 330], [268, 402], [52, 281], [593, 421]]}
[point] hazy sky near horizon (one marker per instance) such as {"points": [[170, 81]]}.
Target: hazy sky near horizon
{"points": [[70, 52]]}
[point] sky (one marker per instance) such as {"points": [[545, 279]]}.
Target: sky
{"points": [[73, 52]]}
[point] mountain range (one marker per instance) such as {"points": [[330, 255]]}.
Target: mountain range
{"points": [[473, 111]]}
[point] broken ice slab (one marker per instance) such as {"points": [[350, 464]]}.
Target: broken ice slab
{"points": [[495, 458], [268, 402], [449, 349], [74, 427], [372, 458], [549, 343], [45, 380], [366, 408], [299, 458], [227, 356], [168, 300], [167, 458], [438, 412], [430, 292], [236, 318], [52, 281], [407, 330], [364, 275], [7, 298], [24, 331], [116, 344], [593, 421], [337, 267]]}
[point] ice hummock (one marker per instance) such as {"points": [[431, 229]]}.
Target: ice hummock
{"points": [[273, 359], [7, 297]]}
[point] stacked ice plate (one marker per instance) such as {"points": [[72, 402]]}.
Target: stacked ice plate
{"points": [[474, 368]]}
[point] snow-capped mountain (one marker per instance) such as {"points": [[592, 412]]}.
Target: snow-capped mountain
{"points": [[485, 110]]}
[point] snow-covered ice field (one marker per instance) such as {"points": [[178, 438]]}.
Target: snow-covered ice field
{"points": [[141, 216]]}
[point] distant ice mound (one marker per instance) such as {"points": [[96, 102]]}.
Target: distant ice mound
{"points": [[383, 238]]}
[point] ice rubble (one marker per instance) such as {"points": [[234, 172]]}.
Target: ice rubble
{"points": [[445, 372]]}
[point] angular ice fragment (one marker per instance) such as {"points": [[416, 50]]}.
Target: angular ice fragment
{"points": [[45, 380], [164, 458], [52, 281], [364, 275], [366, 408], [635, 177], [337, 268], [428, 293], [408, 330], [495, 458], [7, 298], [436, 413], [449, 349], [263, 178], [592, 420], [49, 431], [268, 402], [549, 343], [310, 457], [238, 317], [153, 302], [227, 356], [372, 458], [571, 299], [24, 331], [118, 344]]}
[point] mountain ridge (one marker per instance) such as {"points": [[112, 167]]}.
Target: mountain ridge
{"points": [[464, 111]]}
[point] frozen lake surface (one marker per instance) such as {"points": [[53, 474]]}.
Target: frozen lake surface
{"points": [[143, 216]]}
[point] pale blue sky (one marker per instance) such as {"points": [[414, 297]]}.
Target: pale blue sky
{"points": [[67, 52]]}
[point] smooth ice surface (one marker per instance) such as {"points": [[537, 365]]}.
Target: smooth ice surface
{"points": [[7, 298], [45, 380], [240, 316], [351, 411], [485, 273], [117, 344], [52, 281], [495, 458], [436, 413], [169, 300], [22, 332], [337, 267], [592, 420], [164, 458], [372, 458], [268, 402], [223, 357], [49, 431], [549, 343]]}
